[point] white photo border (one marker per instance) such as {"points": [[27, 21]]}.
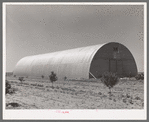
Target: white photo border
{"points": [[102, 114]]}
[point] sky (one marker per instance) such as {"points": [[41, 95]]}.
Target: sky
{"points": [[39, 29]]}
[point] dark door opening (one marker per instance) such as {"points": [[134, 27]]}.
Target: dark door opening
{"points": [[115, 66]]}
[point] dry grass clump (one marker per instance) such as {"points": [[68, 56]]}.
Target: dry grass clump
{"points": [[9, 89], [21, 79], [139, 76]]}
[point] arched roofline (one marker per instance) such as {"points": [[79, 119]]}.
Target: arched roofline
{"points": [[81, 57]]}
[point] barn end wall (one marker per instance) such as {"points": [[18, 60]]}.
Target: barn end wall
{"points": [[119, 61]]}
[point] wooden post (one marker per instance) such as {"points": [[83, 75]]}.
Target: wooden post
{"points": [[109, 65], [122, 68], [116, 65], [92, 75]]}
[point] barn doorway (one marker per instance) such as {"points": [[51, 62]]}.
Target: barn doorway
{"points": [[116, 66]]}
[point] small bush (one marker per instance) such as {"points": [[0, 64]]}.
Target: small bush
{"points": [[137, 98], [65, 78], [40, 85], [42, 77], [21, 79], [140, 76], [7, 87], [109, 79], [53, 77]]}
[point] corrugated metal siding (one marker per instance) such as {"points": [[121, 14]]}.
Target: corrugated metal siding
{"points": [[77, 63], [73, 63]]}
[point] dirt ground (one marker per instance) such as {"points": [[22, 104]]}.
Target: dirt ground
{"points": [[39, 94]]}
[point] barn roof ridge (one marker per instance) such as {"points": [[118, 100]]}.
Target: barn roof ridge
{"points": [[67, 50]]}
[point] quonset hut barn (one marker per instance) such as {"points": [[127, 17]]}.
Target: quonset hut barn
{"points": [[80, 63]]}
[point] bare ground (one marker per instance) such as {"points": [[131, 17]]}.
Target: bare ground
{"points": [[39, 94]]}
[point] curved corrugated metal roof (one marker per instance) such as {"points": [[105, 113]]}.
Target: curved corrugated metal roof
{"points": [[73, 63]]}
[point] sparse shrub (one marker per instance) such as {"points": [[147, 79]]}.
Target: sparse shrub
{"points": [[114, 100], [53, 77], [14, 76], [100, 93], [128, 96], [109, 79], [65, 78], [130, 101], [42, 77], [137, 98], [124, 100], [35, 84], [7, 87], [140, 76], [21, 79], [40, 85], [12, 90]]}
